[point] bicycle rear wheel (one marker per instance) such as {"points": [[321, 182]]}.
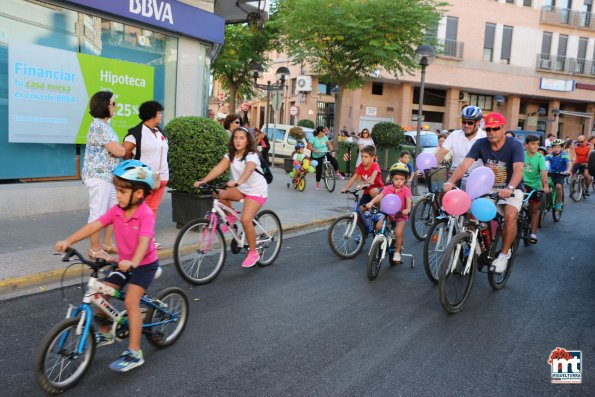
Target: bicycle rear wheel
{"points": [[374, 261], [199, 252], [544, 202], [173, 316], [57, 365], [576, 189], [498, 281], [434, 247], [422, 218], [343, 244], [269, 236], [454, 286], [328, 174]]}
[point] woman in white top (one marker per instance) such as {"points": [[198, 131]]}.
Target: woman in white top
{"points": [[364, 140], [246, 184]]}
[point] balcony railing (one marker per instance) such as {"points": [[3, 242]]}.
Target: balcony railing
{"points": [[552, 63], [564, 16], [450, 48]]}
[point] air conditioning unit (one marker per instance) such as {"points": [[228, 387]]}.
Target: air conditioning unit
{"points": [[464, 96], [303, 84]]}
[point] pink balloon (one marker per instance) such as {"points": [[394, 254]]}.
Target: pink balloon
{"points": [[423, 161], [456, 202], [480, 182], [390, 204]]}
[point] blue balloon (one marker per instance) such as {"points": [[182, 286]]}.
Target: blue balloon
{"points": [[314, 163], [483, 209], [297, 167]]}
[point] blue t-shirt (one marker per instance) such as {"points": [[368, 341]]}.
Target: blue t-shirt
{"points": [[320, 145], [501, 161], [558, 163]]}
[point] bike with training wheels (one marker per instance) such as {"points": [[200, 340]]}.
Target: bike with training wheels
{"points": [[578, 184], [472, 250], [67, 350], [200, 248], [298, 182]]}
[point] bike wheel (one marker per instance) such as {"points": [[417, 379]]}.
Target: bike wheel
{"points": [[269, 236], [422, 218], [454, 286], [544, 201], [328, 174], [498, 281], [343, 245], [57, 366], [172, 314], [199, 252], [302, 184], [576, 189], [434, 247], [374, 261], [557, 215]]}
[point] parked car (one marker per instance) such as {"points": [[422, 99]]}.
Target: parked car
{"points": [[428, 140], [520, 135], [285, 144]]}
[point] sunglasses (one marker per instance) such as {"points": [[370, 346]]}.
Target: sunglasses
{"points": [[490, 129], [468, 122]]}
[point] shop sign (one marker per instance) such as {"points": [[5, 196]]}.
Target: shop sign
{"points": [[556, 85], [371, 111], [49, 92], [171, 15]]}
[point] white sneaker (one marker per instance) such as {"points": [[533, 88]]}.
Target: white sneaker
{"points": [[397, 257], [500, 263]]}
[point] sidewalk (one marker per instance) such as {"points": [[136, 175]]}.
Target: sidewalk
{"points": [[27, 243]]}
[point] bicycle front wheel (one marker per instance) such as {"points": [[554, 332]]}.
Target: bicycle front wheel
{"points": [[172, 316], [576, 189], [544, 201], [455, 285], [498, 280], [269, 236], [302, 183], [58, 365], [422, 218], [199, 252], [328, 174], [346, 239], [374, 259], [434, 247]]}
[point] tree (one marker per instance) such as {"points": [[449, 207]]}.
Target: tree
{"points": [[345, 41], [243, 47]]}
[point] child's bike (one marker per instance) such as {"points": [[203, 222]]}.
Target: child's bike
{"points": [[65, 353], [200, 248], [548, 201], [298, 181]]}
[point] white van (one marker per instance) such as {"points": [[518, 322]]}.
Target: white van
{"points": [[284, 144]]}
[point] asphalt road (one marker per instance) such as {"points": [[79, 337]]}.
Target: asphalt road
{"points": [[313, 325]]}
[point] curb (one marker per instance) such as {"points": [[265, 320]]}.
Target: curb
{"points": [[40, 282]]}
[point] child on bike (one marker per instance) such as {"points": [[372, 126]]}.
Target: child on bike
{"points": [[560, 166], [299, 156], [134, 225], [368, 173], [404, 158], [399, 174], [246, 184], [534, 178]]}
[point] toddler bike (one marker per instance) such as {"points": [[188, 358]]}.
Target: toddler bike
{"points": [[66, 352], [298, 181], [200, 248]]}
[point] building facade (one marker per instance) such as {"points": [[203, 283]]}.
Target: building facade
{"points": [[537, 54]]}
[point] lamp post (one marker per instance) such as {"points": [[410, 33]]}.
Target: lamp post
{"points": [[335, 94], [282, 74], [425, 55]]}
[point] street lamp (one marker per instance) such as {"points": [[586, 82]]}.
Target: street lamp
{"points": [[282, 75], [424, 55], [335, 94]]}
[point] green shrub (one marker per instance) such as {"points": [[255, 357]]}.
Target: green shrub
{"points": [[297, 133], [387, 135], [306, 123], [196, 145]]}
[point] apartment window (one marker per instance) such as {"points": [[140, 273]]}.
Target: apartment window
{"points": [[292, 87], [488, 42], [324, 88], [581, 55], [326, 114], [450, 44], [565, 11], [561, 58], [506, 44], [510, 1], [586, 16], [546, 43], [482, 101], [377, 88], [527, 3]]}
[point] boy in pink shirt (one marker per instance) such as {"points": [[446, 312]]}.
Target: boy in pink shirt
{"points": [[134, 225], [369, 173]]}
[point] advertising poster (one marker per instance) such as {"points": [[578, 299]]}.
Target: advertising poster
{"points": [[49, 92]]}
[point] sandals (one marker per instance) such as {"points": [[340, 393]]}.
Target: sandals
{"points": [[110, 249], [101, 254]]}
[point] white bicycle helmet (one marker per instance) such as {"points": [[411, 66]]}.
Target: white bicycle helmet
{"points": [[471, 112]]}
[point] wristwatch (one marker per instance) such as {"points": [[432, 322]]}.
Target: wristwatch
{"points": [[510, 187]]}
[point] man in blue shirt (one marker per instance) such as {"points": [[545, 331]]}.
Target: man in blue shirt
{"points": [[560, 165], [506, 158]]}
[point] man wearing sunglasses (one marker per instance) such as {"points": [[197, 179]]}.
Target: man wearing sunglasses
{"points": [[580, 159], [507, 159], [460, 141]]}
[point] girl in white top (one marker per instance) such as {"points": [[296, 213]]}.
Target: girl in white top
{"points": [[246, 184], [365, 140]]}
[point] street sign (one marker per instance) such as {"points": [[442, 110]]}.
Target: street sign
{"points": [[293, 110], [277, 100]]}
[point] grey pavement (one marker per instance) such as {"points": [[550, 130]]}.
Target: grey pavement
{"points": [[26, 242]]}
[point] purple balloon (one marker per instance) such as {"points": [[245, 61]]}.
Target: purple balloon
{"points": [[480, 182], [390, 204], [423, 161]]}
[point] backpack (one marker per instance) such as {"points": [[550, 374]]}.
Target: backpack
{"points": [[266, 170]]}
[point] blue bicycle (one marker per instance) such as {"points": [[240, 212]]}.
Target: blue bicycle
{"points": [[65, 353]]}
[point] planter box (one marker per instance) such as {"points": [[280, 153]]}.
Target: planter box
{"points": [[288, 165], [188, 206]]}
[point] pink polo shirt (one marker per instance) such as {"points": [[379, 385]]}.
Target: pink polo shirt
{"points": [[128, 231]]}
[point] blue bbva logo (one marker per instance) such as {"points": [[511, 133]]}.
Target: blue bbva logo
{"points": [[160, 10]]}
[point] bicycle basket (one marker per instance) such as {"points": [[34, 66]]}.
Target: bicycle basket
{"points": [[435, 178]]}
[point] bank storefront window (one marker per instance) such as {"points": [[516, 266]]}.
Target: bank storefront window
{"points": [[52, 59]]}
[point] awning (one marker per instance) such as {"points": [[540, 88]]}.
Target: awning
{"points": [[577, 114]]}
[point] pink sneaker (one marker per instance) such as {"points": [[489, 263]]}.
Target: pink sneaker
{"points": [[251, 259]]}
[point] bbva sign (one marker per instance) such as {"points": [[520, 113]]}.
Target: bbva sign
{"points": [[160, 10]]}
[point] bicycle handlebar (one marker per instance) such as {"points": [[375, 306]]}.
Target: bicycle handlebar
{"points": [[97, 265], [206, 188]]}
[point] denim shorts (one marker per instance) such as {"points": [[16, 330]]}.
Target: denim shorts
{"points": [[141, 276]]}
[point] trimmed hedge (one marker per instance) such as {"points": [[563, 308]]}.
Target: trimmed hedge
{"points": [[387, 135], [306, 123]]}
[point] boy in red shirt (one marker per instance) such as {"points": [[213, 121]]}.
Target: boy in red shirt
{"points": [[368, 172]]}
